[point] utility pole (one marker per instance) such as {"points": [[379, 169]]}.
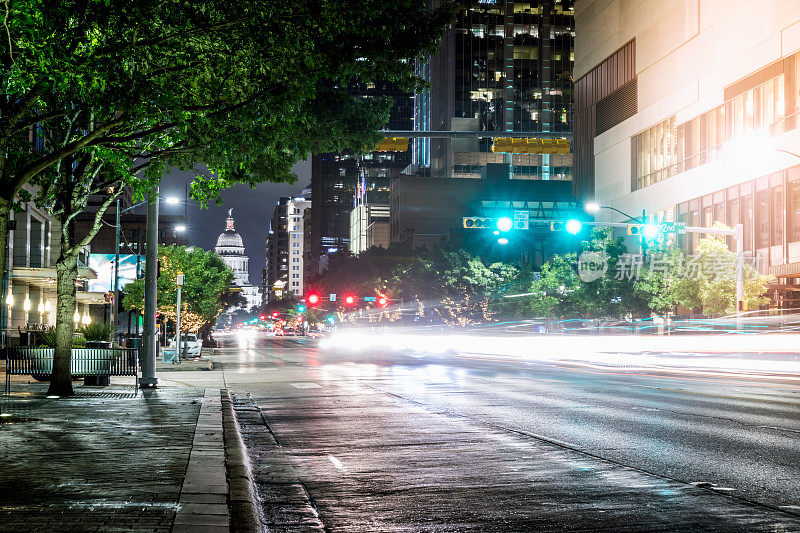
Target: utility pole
{"points": [[150, 341]]}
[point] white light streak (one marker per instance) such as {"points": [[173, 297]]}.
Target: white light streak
{"points": [[768, 353]]}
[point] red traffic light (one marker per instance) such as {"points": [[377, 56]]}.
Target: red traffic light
{"points": [[382, 300], [275, 314], [262, 317], [313, 299], [349, 299]]}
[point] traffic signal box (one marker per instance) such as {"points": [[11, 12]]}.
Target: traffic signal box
{"points": [[478, 222], [636, 229], [392, 144], [519, 145]]}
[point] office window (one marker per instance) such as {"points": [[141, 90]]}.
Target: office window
{"points": [[667, 149], [777, 215], [762, 214], [793, 175]]}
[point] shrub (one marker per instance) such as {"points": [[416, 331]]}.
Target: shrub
{"points": [[99, 331], [48, 336]]}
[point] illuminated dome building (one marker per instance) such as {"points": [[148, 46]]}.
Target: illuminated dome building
{"points": [[230, 248]]}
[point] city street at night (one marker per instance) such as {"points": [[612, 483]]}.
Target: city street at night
{"points": [[388, 440]]}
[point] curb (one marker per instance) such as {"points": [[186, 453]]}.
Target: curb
{"points": [[243, 502]]}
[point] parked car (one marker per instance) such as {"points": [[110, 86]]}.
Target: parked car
{"points": [[194, 345]]}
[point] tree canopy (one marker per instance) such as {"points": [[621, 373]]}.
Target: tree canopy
{"points": [[247, 87], [203, 296]]}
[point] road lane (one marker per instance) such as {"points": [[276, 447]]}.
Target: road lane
{"points": [[466, 442]]}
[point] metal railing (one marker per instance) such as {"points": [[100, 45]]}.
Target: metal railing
{"points": [[38, 362]]}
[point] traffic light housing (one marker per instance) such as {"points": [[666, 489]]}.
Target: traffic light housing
{"points": [[648, 231], [478, 222], [572, 226]]}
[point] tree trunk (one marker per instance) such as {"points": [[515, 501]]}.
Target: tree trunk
{"points": [[61, 378], [5, 210]]}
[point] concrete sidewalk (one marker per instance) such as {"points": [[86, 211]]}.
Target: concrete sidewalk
{"points": [[107, 460]]}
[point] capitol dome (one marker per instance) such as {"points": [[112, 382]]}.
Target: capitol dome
{"points": [[229, 239], [229, 242]]}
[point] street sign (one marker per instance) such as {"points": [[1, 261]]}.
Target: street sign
{"points": [[332, 296], [521, 220], [674, 227], [179, 279], [369, 298]]}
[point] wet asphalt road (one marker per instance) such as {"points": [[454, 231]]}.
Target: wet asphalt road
{"points": [[384, 441]]}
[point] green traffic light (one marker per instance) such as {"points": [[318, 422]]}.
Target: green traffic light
{"points": [[505, 224], [301, 308], [650, 231], [573, 226]]}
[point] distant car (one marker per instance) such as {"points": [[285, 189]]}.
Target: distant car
{"points": [[194, 345]]}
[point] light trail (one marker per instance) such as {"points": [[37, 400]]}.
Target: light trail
{"points": [[770, 353]]}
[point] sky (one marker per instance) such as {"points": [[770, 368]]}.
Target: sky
{"points": [[252, 209]]}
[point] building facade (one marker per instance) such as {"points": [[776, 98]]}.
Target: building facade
{"points": [[295, 209], [688, 110], [425, 211], [29, 277], [278, 250], [503, 66], [286, 247], [335, 177], [369, 219], [230, 248]]}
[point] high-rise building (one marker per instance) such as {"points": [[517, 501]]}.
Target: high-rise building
{"points": [[334, 177], [369, 219], [294, 213], [689, 112], [502, 67], [230, 248], [285, 247], [278, 251]]}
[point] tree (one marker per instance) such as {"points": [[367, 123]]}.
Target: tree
{"points": [[708, 280], [203, 296], [246, 87], [623, 283], [456, 283]]}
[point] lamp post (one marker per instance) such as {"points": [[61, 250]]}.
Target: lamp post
{"points": [[171, 200], [150, 343]]}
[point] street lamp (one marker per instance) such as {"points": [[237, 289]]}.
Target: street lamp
{"points": [[180, 228], [148, 367], [594, 207]]}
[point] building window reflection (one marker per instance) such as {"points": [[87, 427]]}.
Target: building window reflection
{"points": [[667, 149]]}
